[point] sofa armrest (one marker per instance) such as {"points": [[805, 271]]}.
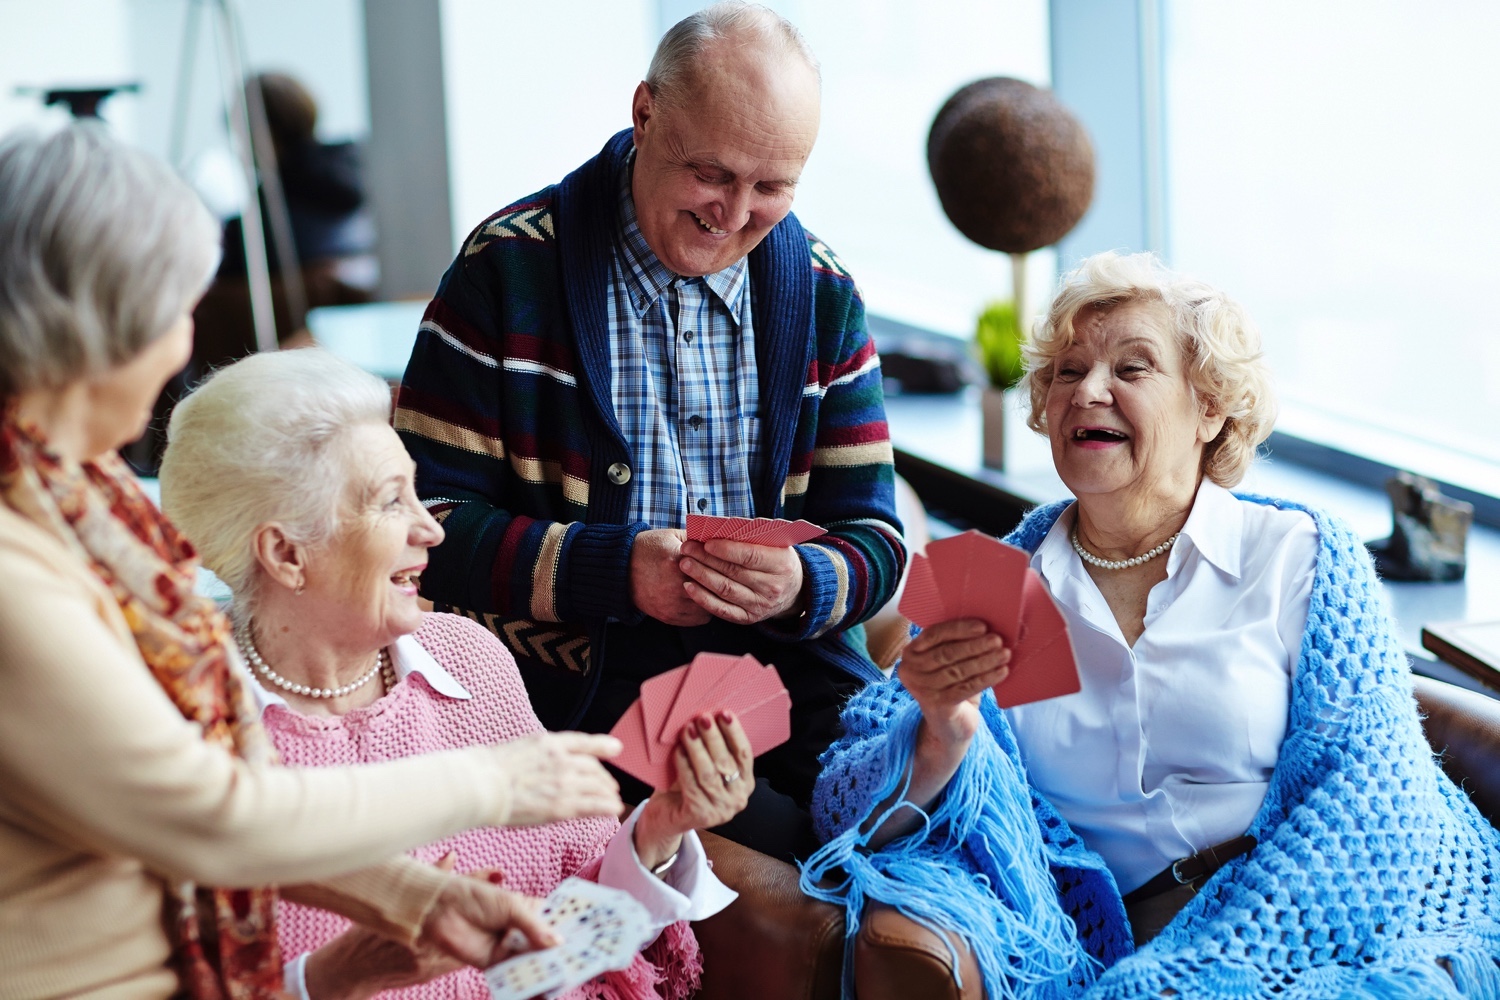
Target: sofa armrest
{"points": [[896, 958], [1464, 728], [773, 941]]}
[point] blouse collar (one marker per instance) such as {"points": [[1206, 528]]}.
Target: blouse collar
{"points": [[407, 657], [1214, 528]]}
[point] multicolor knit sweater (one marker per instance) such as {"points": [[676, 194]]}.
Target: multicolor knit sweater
{"points": [[1371, 868], [506, 408], [412, 719]]}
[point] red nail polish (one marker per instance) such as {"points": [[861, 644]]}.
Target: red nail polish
{"points": [[725, 718], [495, 878]]}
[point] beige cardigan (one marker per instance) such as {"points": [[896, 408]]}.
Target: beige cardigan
{"points": [[107, 794]]}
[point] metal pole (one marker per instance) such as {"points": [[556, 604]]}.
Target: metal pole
{"points": [[264, 151], [186, 61], [262, 305]]}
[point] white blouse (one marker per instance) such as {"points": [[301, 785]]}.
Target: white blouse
{"points": [[1169, 746]]}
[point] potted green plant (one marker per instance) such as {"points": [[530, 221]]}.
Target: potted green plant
{"points": [[998, 338]]}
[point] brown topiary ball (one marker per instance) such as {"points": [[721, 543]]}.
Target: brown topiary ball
{"points": [[1013, 168]]}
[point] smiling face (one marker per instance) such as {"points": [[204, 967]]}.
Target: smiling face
{"points": [[717, 165], [362, 585], [1122, 417]]}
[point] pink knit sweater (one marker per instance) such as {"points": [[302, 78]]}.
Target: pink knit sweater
{"points": [[414, 719]]}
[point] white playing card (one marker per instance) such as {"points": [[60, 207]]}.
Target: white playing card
{"points": [[601, 928]]}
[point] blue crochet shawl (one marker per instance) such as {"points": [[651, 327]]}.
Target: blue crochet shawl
{"points": [[1371, 867]]}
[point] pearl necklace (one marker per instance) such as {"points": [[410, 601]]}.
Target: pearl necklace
{"points": [[1094, 560], [253, 655]]}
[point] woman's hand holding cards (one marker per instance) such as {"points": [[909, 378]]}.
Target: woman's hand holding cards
{"points": [[946, 668], [715, 769]]}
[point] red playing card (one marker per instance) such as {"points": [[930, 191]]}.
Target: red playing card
{"points": [[920, 601], [976, 576], [758, 530], [702, 676], [769, 724], [779, 533], [702, 527], [633, 759], [753, 692], [658, 694], [1042, 663], [744, 689]]}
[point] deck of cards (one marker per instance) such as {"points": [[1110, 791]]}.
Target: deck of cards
{"points": [[713, 681], [601, 928], [973, 575], [756, 530]]}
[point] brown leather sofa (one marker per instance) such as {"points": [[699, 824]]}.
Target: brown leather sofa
{"points": [[775, 942]]}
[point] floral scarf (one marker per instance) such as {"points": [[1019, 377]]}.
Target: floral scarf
{"points": [[224, 941]]}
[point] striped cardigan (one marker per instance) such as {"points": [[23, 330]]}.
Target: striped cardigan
{"points": [[505, 406]]}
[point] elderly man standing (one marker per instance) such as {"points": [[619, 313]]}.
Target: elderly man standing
{"points": [[653, 336]]}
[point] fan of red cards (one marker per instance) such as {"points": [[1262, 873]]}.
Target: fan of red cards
{"points": [[758, 530], [711, 683], [973, 575]]}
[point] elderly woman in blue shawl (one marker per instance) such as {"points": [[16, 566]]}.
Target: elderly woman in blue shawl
{"points": [[1239, 801]]}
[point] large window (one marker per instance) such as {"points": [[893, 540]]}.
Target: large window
{"points": [[888, 66], [1333, 165]]}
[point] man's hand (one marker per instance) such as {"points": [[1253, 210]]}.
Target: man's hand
{"points": [[741, 582], [656, 581]]}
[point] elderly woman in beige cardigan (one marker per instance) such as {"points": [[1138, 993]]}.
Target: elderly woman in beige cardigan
{"points": [[133, 772]]}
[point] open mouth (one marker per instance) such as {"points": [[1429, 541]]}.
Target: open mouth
{"points": [[407, 578], [712, 229], [1102, 435]]}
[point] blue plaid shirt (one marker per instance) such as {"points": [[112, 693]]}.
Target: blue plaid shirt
{"points": [[684, 381]]}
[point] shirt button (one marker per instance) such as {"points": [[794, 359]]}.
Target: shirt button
{"points": [[687, 335], [702, 503], [695, 421], [619, 473]]}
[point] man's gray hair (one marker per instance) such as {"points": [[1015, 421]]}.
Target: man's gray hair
{"points": [[264, 440], [102, 247], [678, 49]]}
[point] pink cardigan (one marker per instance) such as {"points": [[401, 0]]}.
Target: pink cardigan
{"points": [[415, 719]]}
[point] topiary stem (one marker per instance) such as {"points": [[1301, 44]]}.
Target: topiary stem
{"points": [[1018, 293]]}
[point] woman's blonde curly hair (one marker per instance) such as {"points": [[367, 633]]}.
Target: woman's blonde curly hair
{"points": [[1220, 344]]}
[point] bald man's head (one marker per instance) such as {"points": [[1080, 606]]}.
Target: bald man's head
{"points": [[680, 53], [724, 123]]}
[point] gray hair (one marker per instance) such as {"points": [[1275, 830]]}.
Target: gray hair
{"points": [[102, 247], [1219, 342], [262, 440], [679, 48]]}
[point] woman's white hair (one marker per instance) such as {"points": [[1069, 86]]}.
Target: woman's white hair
{"points": [[677, 53], [1220, 345], [262, 441], [102, 247]]}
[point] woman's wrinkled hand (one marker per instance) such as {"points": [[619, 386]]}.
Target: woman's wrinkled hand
{"points": [[946, 668], [360, 963], [557, 776], [479, 923], [715, 776]]}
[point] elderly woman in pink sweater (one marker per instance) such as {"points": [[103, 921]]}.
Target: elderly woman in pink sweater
{"points": [[284, 471]]}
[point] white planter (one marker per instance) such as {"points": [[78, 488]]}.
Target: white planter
{"points": [[992, 428]]}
